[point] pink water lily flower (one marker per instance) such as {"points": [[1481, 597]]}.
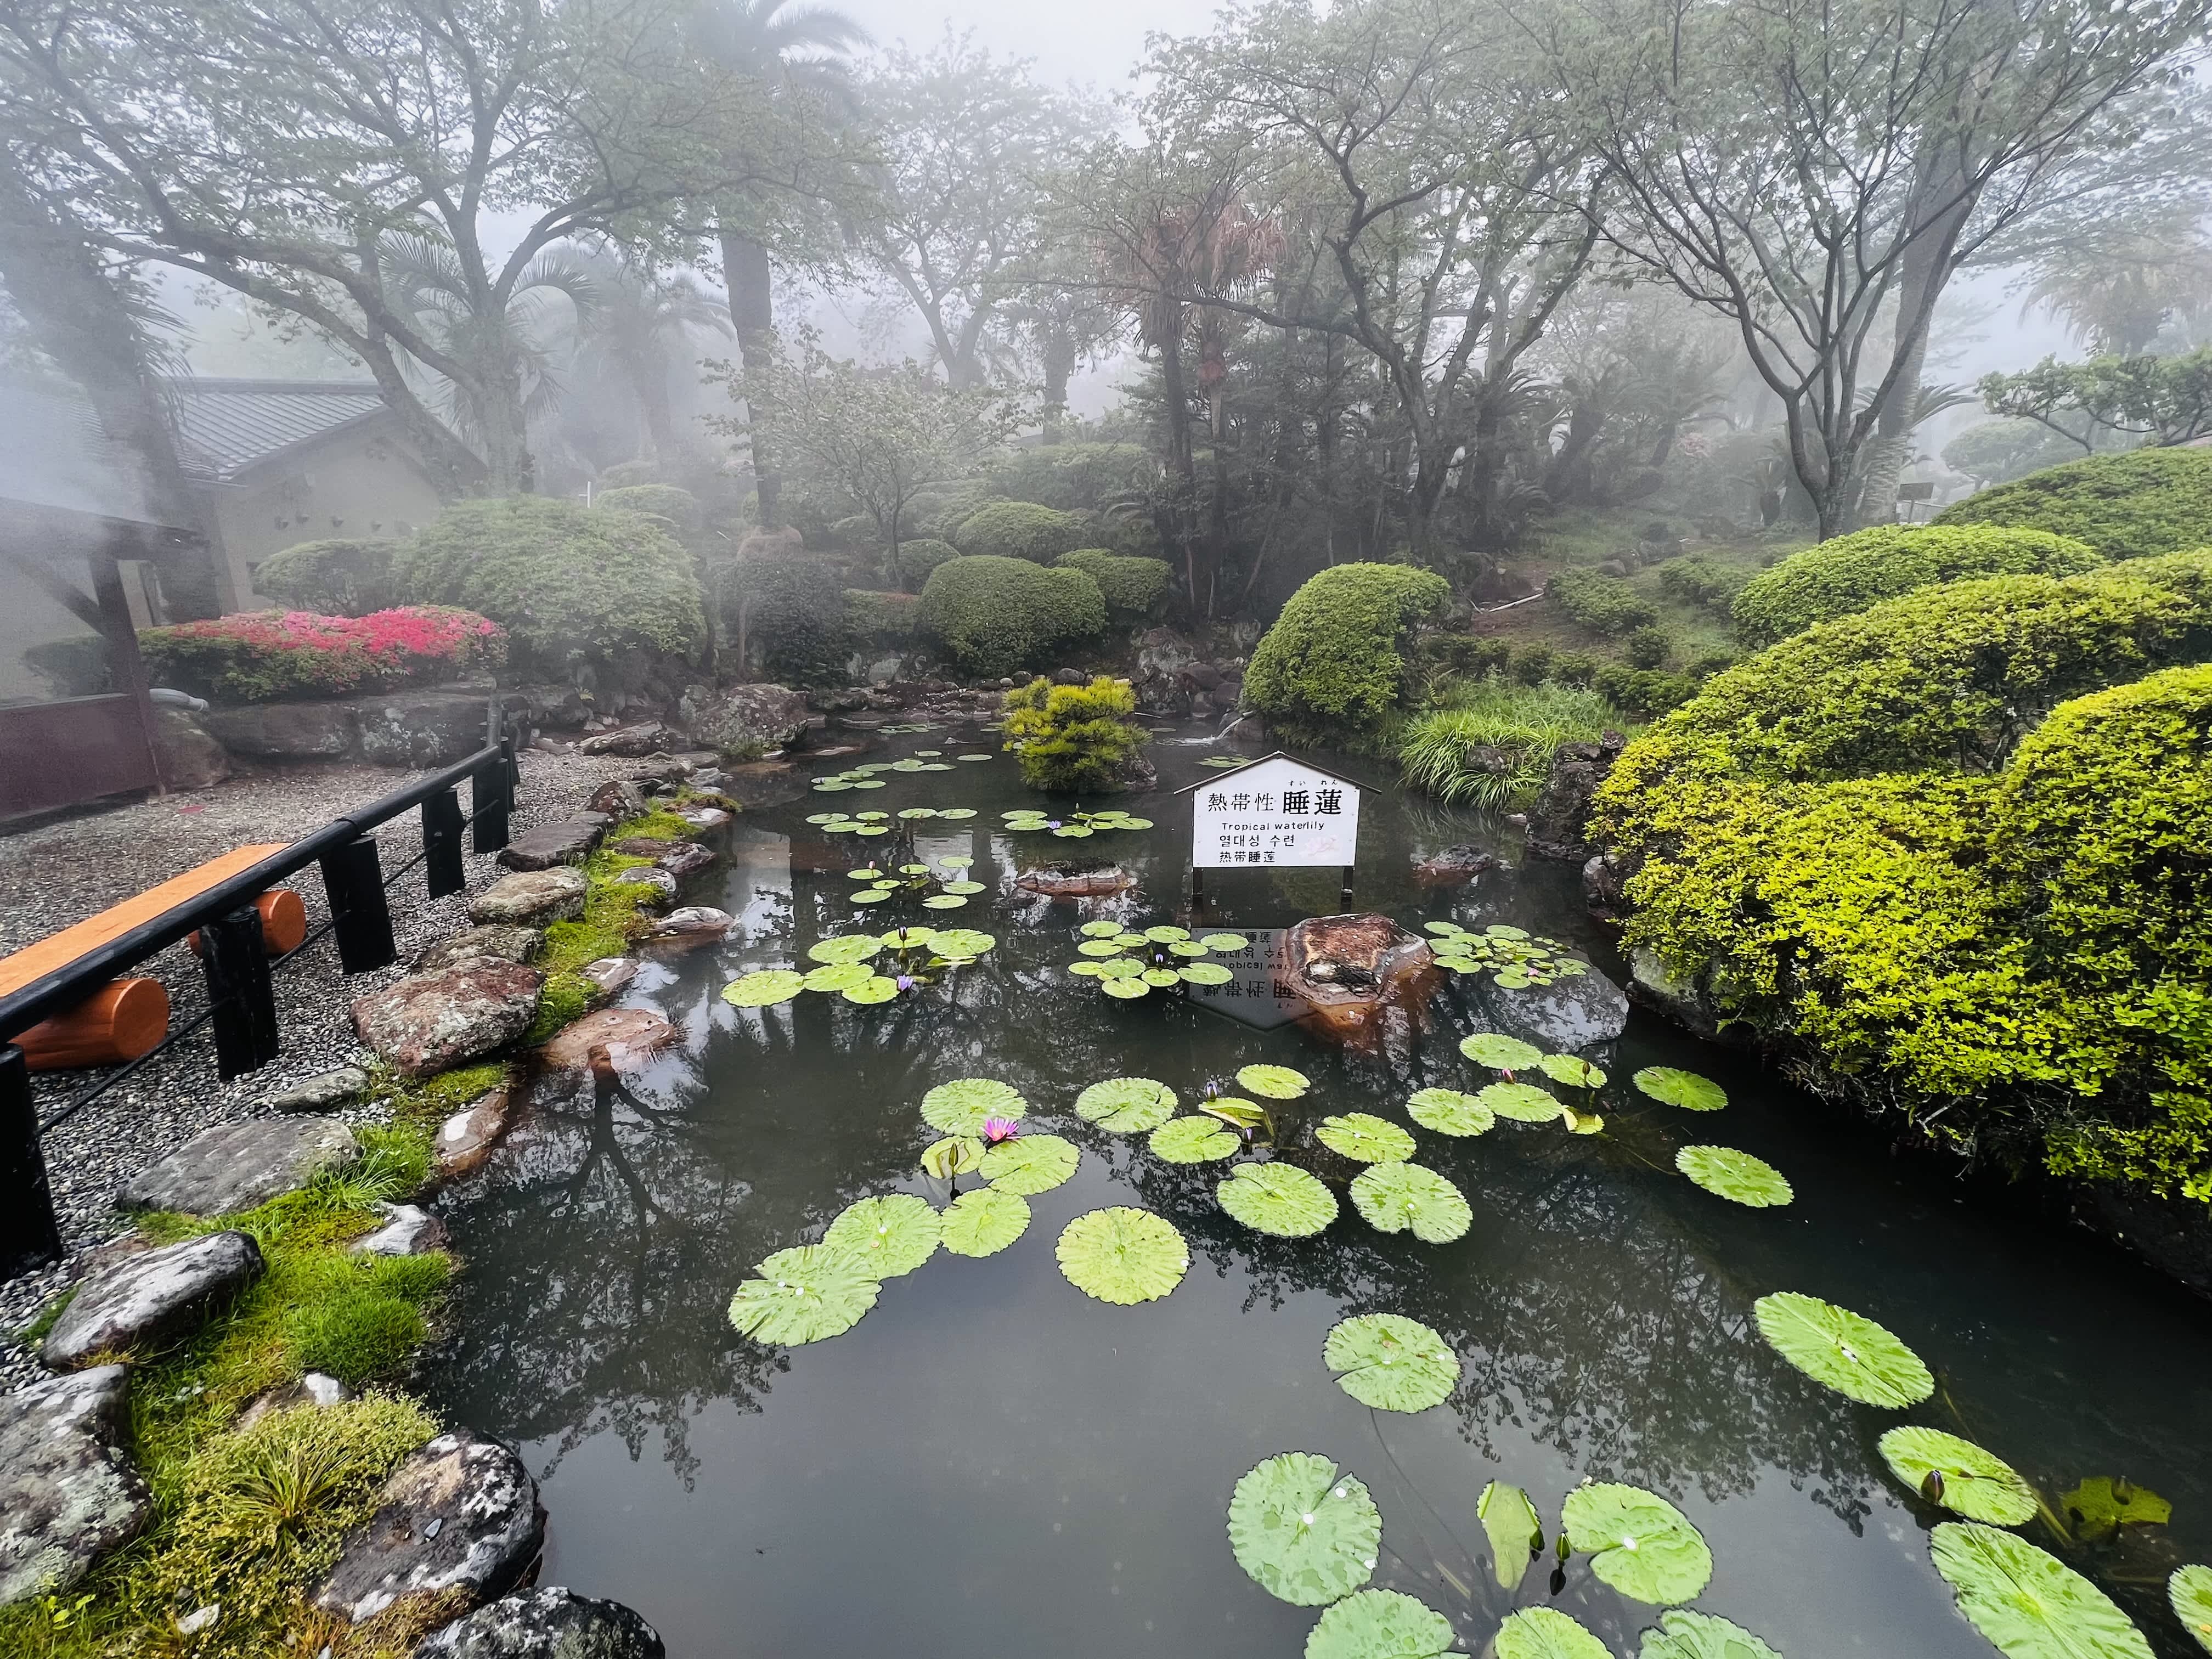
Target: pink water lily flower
{"points": [[997, 1129]]}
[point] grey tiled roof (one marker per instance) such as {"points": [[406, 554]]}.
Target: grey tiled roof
{"points": [[225, 427], [53, 454]]}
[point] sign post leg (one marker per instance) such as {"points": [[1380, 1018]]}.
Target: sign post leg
{"points": [[1345, 896], [1197, 888]]}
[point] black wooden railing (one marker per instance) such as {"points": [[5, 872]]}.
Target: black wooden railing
{"points": [[241, 1002]]}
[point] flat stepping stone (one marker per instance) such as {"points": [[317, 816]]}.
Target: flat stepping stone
{"points": [[628, 1034], [550, 844], [326, 1091], [684, 858], [431, 1021], [466, 1139], [461, 1515], [548, 1622], [407, 1231], [533, 898], [148, 1301], [69, 1490], [631, 741], [505, 940], [659, 887], [610, 973], [236, 1166]]}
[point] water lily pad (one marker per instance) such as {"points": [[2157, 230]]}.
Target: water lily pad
{"points": [[908, 938], [1442, 929], [1500, 1054], [1203, 973], [867, 783], [1671, 1086], [2030, 1604], [1729, 1174], [872, 817], [1581, 1123], [1126, 1105], [1449, 1112], [2102, 1504], [763, 989], [1123, 1255], [889, 1235], [1099, 929], [839, 976], [1638, 1542], [1161, 978], [1189, 950], [953, 861], [1166, 935], [1847, 1352], [1030, 1163], [1396, 1196], [1546, 1633], [872, 828], [955, 1155], [1305, 1534], [870, 896], [1099, 947], [1224, 944], [1129, 823], [943, 901], [984, 1222], [917, 812], [1277, 1198], [877, 989], [1501, 930], [1120, 968], [1072, 831], [1959, 1475], [1129, 941], [1087, 968], [804, 1294], [1391, 1362], [972, 757], [964, 886], [1238, 1114], [1365, 1137], [1193, 1140], [1685, 1635], [830, 786], [1373, 1624], [1127, 989], [1524, 1102], [2190, 1591], [961, 1106], [907, 765], [1273, 1082], [1516, 1534], [1576, 1073], [963, 942]]}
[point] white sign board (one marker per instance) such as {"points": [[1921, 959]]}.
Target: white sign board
{"points": [[1278, 811]]}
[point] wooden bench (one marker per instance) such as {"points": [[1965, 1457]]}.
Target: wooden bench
{"points": [[127, 1017]]}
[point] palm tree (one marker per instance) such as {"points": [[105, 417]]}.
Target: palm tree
{"points": [[2117, 296], [638, 331]]}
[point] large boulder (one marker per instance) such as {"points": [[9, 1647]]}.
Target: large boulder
{"points": [[743, 722], [531, 898], [149, 1300], [430, 1021], [1349, 967], [633, 741], [1568, 1014], [235, 1166], [549, 1622], [422, 728], [1558, 820], [187, 753], [68, 1492], [563, 842], [460, 1516], [505, 941], [284, 731]]}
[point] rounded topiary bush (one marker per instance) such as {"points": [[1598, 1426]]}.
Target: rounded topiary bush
{"points": [[1604, 605], [997, 615], [1020, 530], [786, 616], [1331, 671], [340, 577], [2126, 506], [571, 585], [1073, 477], [878, 617], [1134, 588], [918, 557], [1851, 573], [678, 506]]}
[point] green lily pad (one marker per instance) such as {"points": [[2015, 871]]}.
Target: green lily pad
{"points": [[1516, 1534], [953, 861], [1189, 950], [1847, 1352], [1365, 1138], [1193, 1140], [1638, 1542], [1277, 1198], [2190, 1591], [1126, 1105], [963, 887], [1524, 1102], [1442, 929], [1500, 930], [1238, 1114], [871, 829], [870, 896], [1100, 929], [830, 786], [890, 1236], [908, 938], [984, 1222], [1373, 1624], [963, 942], [1165, 934], [1087, 968], [1127, 989], [1120, 968], [961, 1106], [2030, 1604], [1546, 1633], [972, 757], [1959, 1475], [1499, 1052], [907, 765], [1578, 1073], [1273, 1082], [955, 811], [804, 1294], [943, 901], [867, 783], [1739, 1176], [1391, 1362], [846, 947], [824, 817], [1161, 978], [917, 812], [1030, 1163], [877, 989], [1671, 1086], [839, 976], [955, 1155], [1396, 1196], [1123, 1255], [2102, 1504], [1129, 941], [1099, 947], [1203, 973], [1223, 943], [1305, 1534], [1449, 1112], [1072, 831], [1128, 822], [1685, 1635], [765, 988], [872, 817]]}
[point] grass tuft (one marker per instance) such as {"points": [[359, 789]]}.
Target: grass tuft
{"points": [[1490, 744]]}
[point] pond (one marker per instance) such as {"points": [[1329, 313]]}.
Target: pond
{"points": [[991, 1461]]}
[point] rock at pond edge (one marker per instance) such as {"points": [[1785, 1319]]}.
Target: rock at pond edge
{"points": [[548, 1622], [152, 1298], [431, 1021], [68, 1491], [460, 1514], [236, 1166]]}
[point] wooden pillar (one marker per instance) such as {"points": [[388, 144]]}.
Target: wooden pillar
{"points": [[126, 666]]}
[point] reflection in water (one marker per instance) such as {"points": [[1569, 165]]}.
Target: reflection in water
{"points": [[990, 1457], [1259, 996]]}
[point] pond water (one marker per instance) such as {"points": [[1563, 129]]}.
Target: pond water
{"points": [[991, 1461]]}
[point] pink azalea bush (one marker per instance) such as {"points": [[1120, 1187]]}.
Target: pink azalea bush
{"points": [[270, 656]]}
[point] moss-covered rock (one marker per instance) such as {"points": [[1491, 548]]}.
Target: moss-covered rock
{"points": [[2130, 506], [1020, 530], [1331, 671], [1134, 588], [340, 577], [998, 615]]}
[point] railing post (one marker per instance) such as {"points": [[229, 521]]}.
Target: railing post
{"points": [[240, 992], [491, 796], [29, 1237], [441, 844], [354, 879]]}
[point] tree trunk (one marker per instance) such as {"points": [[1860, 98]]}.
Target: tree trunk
{"points": [[508, 468], [751, 284], [1058, 355], [1182, 471]]}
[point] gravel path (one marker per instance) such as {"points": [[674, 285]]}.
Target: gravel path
{"points": [[63, 872]]}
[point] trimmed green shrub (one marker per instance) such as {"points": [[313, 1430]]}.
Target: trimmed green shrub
{"points": [[1074, 737], [1852, 572], [996, 615], [679, 506], [1470, 655], [790, 614], [570, 585], [856, 532], [1531, 665], [1020, 530], [1646, 692], [1331, 671], [917, 558], [882, 618], [1604, 605], [1071, 476], [1696, 579], [1648, 646], [344, 577], [1134, 588], [271, 656], [2127, 507]]}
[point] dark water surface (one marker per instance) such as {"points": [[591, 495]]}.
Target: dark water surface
{"points": [[993, 1462]]}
